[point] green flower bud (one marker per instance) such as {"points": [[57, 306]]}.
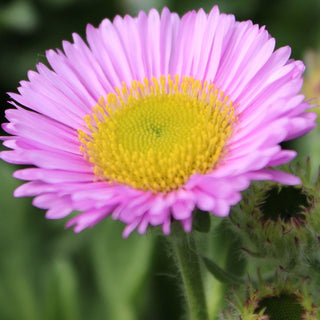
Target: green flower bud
{"points": [[281, 224], [282, 300]]}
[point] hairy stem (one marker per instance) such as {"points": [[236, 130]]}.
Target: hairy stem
{"points": [[187, 260]]}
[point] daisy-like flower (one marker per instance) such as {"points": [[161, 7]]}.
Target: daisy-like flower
{"points": [[156, 116]]}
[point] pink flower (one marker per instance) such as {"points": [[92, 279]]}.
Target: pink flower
{"points": [[156, 116]]}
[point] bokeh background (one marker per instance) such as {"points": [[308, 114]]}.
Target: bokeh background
{"points": [[49, 273]]}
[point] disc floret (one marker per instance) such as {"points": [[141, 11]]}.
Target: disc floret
{"points": [[155, 134]]}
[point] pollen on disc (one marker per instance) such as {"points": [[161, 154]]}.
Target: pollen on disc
{"points": [[155, 134]]}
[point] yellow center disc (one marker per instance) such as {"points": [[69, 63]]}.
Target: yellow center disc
{"points": [[155, 134]]}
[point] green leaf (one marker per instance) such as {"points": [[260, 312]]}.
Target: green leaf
{"points": [[61, 291], [201, 221], [220, 274], [121, 268]]}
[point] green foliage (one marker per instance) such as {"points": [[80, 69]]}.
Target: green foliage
{"points": [[219, 273], [201, 221], [51, 273]]}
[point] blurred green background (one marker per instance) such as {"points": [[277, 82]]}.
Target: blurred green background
{"points": [[47, 272]]}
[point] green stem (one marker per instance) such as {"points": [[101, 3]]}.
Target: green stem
{"points": [[184, 250]]}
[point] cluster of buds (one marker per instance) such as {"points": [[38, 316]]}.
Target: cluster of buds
{"points": [[280, 230], [283, 299], [281, 224]]}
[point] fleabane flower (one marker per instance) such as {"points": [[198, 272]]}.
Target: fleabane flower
{"points": [[156, 116]]}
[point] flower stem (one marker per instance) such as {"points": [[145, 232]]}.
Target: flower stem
{"points": [[187, 260]]}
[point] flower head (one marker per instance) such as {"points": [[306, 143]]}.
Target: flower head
{"points": [[156, 116]]}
